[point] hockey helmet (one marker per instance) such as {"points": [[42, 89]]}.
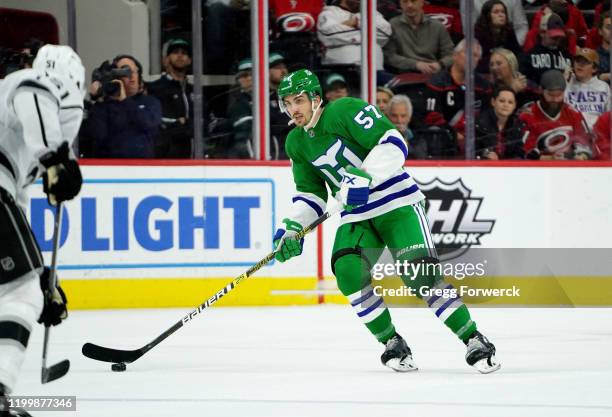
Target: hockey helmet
{"points": [[299, 82], [62, 61]]}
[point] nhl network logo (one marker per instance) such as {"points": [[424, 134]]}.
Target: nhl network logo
{"points": [[453, 217]]}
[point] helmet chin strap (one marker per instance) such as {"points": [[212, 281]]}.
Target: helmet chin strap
{"points": [[316, 115]]}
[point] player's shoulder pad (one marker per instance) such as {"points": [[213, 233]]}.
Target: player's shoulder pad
{"points": [[41, 82], [343, 108], [35, 81]]}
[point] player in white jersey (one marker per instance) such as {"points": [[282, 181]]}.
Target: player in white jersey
{"points": [[40, 113]]}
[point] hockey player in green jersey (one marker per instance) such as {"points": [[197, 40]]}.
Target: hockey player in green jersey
{"points": [[353, 149]]}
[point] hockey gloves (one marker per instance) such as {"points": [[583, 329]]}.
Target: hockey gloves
{"points": [[54, 310], [286, 246], [355, 188], [62, 179]]}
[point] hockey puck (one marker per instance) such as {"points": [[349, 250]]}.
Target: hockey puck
{"points": [[118, 367]]}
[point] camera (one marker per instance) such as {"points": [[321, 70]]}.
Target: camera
{"points": [[105, 74]]}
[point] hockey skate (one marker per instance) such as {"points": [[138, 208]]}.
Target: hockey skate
{"points": [[397, 355], [481, 354], [5, 411]]}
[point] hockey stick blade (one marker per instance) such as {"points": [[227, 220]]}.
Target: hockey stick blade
{"points": [[104, 354], [54, 371]]}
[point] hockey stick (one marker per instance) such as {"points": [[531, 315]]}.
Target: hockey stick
{"points": [[118, 356], [59, 369]]}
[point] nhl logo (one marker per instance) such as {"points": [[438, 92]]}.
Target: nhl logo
{"points": [[7, 264], [311, 133], [453, 217]]}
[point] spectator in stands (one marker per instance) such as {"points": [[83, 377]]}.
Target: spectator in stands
{"points": [[400, 113], [445, 98], [549, 52], [418, 44], [605, 32], [515, 15], [278, 69], [588, 94], [335, 87], [126, 121], [448, 15], [338, 29], [593, 40], [240, 114], [554, 130], [175, 95], [499, 131], [278, 120], [494, 30], [383, 97], [601, 130], [504, 70], [573, 23]]}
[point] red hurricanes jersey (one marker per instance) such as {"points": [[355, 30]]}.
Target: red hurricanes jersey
{"points": [[296, 15], [563, 134]]}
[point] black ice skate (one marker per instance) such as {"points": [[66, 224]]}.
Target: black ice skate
{"points": [[397, 355], [481, 354], [5, 411]]}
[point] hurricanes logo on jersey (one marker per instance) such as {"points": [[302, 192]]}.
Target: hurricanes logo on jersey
{"points": [[453, 217]]}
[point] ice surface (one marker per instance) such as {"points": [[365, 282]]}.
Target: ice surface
{"points": [[321, 362]]}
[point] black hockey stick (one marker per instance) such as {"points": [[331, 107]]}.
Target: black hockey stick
{"points": [[105, 354], [59, 369]]}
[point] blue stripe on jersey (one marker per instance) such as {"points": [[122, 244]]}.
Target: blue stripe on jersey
{"points": [[311, 203], [399, 143], [371, 308], [390, 182], [362, 298], [383, 201]]}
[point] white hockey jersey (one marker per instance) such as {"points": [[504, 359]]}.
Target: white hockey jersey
{"points": [[591, 98], [38, 112], [342, 42]]}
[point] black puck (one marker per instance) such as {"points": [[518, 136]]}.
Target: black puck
{"points": [[118, 367]]}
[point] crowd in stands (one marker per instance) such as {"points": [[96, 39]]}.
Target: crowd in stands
{"points": [[542, 74]]}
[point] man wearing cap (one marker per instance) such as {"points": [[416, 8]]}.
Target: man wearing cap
{"points": [[335, 87], [549, 53], [571, 16], [175, 94], [588, 94], [554, 129]]}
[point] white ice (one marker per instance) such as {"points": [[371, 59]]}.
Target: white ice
{"points": [[320, 361]]}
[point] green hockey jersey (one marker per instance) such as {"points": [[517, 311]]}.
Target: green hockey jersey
{"points": [[349, 132]]}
